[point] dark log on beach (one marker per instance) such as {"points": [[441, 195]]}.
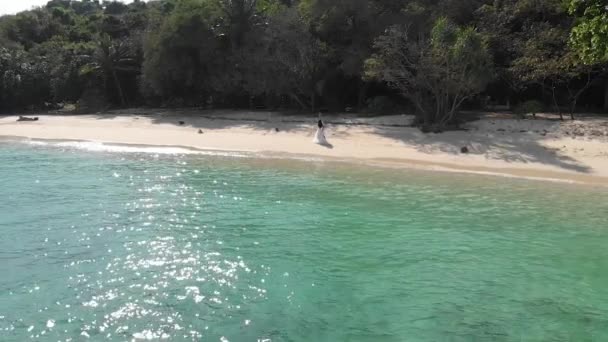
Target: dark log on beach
{"points": [[24, 118]]}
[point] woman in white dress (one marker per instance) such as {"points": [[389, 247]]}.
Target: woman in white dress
{"points": [[320, 135]]}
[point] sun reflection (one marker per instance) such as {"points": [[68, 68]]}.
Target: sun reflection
{"points": [[158, 263], [177, 256]]}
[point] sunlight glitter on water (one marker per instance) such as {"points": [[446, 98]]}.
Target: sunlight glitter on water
{"points": [[162, 262]]}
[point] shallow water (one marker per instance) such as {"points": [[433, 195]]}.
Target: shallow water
{"points": [[128, 245]]}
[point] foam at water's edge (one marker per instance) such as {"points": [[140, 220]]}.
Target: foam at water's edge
{"points": [[94, 146], [101, 147]]}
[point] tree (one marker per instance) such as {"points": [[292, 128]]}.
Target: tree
{"points": [[109, 60], [23, 80], [65, 61], [33, 27], [547, 61], [348, 28], [253, 68], [247, 49], [589, 36], [517, 30], [181, 53], [239, 16], [438, 74], [300, 55]]}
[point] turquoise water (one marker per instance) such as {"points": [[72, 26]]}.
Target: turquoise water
{"points": [[122, 246]]}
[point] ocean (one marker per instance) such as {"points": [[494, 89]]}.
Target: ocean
{"points": [[107, 243]]}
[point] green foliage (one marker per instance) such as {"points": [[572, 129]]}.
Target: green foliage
{"points": [[181, 56], [23, 79], [33, 27], [305, 53], [530, 42], [589, 36], [522, 34], [65, 61], [437, 74], [545, 59], [269, 7]]}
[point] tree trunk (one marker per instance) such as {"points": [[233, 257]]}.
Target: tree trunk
{"points": [[118, 88], [298, 100], [572, 108], [561, 116], [362, 95], [574, 98], [606, 95], [439, 110], [270, 101], [312, 101]]}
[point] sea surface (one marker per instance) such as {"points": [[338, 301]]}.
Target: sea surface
{"points": [[106, 243]]}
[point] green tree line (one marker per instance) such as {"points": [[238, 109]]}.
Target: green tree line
{"points": [[433, 57]]}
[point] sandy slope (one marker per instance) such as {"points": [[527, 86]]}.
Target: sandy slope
{"points": [[572, 151]]}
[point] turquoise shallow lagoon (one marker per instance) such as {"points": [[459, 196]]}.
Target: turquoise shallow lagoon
{"points": [[118, 246]]}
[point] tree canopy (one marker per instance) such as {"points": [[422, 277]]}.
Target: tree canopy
{"points": [[590, 33], [428, 56], [437, 75]]}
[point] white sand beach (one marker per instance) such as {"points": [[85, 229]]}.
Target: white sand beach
{"points": [[573, 151]]}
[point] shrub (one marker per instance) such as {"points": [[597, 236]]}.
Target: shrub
{"points": [[528, 107], [381, 105]]}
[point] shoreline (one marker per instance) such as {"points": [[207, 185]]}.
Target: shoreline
{"points": [[534, 175], [112, 147], [357, 143]]}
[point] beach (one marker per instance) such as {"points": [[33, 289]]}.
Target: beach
{"points": [[569, 151]]}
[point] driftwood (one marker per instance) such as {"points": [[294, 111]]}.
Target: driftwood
{"points": [[25, 118]]}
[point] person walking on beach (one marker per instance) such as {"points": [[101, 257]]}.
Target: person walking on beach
{"points": [[320, 135]]}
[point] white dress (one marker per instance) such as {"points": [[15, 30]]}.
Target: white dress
{"points": [[320, 137]]}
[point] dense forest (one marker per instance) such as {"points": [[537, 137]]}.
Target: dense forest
{"points": [[431, 57]]}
